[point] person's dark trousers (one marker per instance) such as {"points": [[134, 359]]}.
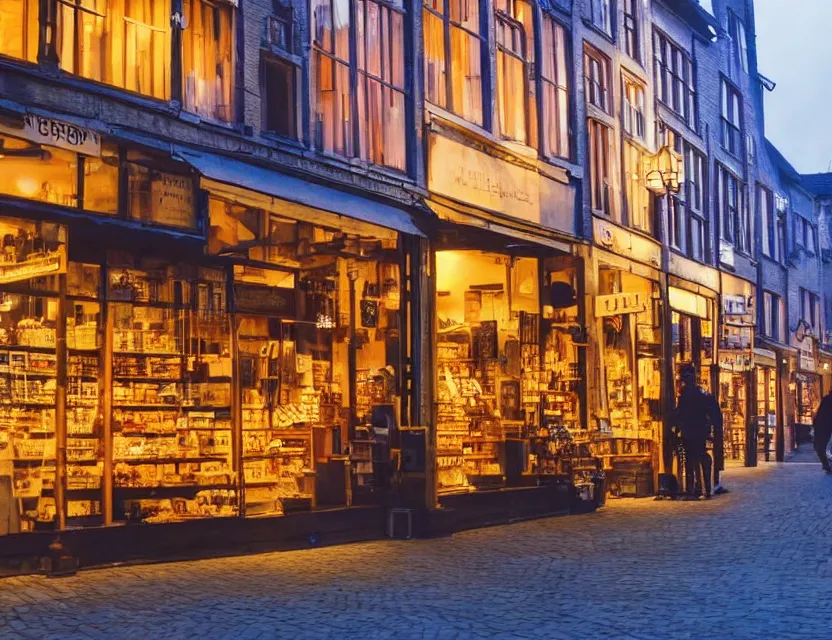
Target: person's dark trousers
{"points": [[697, 468], [821, 442]]}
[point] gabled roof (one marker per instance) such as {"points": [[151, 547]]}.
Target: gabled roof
{"points": [[783, 165], [818, 183]]}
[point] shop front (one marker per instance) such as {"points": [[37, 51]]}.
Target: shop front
{"points": [[770, 437], [692, 329], [736, 389], [808, 389]]}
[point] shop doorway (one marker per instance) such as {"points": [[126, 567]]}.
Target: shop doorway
{"points": [[767, 411]]}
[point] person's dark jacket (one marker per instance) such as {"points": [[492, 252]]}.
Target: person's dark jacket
{"points": [[822, 423], [696, 412]]}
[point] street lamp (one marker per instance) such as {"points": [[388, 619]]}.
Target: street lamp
{"points": [[666, 171]]}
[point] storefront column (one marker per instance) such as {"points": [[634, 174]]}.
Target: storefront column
{"points": [[669, 381], [427, 323], [60, 406], [107, 414]]}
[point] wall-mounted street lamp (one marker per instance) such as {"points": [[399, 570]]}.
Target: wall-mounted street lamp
{"points": [[666, 172]]}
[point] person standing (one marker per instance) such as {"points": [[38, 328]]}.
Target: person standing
{"points": [[822, 427], [693, 417]]}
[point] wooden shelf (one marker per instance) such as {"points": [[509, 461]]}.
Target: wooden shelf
{"points": [[194, 460]]}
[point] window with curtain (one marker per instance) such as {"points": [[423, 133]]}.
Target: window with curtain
{"points": [[632, 112], [19, 29], [124, 43], [515, 52], [732, 207], [597, 76], [370, 122], [600, 171], [454, 45], [636, 193], [208, 59], [554, 77]]}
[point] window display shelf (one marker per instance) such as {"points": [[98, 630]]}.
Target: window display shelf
{"points": [[27, 348], [149, 354], [158, 461]]}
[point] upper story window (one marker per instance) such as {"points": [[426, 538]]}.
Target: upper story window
{"points": [[774, 316], [632, 29], [732, 207], [632, 111], [515, 52], [739, 45], [687, 222], [636, 195], [675, 78], [19, 29], [810, 309], [602, 15], [122, 43], [454, 44], [731, 116], [597, 76], [367, 121], [600, 170], [554, 77], [804, 234], [768, 222], [208, 59]]}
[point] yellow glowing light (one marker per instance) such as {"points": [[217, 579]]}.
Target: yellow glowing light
{"points": [[27, 187]]}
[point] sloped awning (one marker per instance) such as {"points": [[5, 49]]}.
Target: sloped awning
{"points": [[295, 197]]}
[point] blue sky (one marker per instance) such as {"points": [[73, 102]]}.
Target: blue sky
{"points": [[794, 49]]}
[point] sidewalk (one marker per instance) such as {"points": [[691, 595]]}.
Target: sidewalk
{"points": [[804, 453]]}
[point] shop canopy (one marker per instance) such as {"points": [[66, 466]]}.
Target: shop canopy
{"points": [[297, 198]]}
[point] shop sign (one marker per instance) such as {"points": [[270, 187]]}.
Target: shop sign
{"points": [[726, 253], [55, 133], [626, 243], [260, 299], [736, 362], [471, 176], [172, 199], [765, 356], [620, 303]]}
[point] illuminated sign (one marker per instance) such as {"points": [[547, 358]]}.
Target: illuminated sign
{"points": [[620, 303]]}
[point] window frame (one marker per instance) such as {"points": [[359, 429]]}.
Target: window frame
{"points": [[768, 222], [734, 218], [504, 20], [669, 80], [600, 167], [602, 87], [731, 118], [560, 86], [772, 320], [268, 58], [739, 41], [633, 117], [601, 16], [632, 11], [635, 189]]}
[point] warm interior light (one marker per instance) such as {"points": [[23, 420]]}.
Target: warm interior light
{"points": [[27, 187]]}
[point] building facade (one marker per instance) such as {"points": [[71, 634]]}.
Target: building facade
{"points": [[264, 256]]}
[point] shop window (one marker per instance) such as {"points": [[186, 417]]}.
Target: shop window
{"points": [[597, 77], [453, 45], [554, 77], [101, 181], [280, 104], [125, 44], [600, 171], [632, 112], [208, 59], [636, 193], [377, 132], [156, 193], [19, 29], [37, 172], [515, 52]]}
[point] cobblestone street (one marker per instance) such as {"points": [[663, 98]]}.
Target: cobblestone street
{"points": [[752, 564]]}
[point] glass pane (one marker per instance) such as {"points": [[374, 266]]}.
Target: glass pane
{"points": [[467, 75], [160, 197], [29, 170], [101, 181], [435, 65], [19, 29], [207, 47]]}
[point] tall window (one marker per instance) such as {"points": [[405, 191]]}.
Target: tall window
{"points": [[515, 51], [125, 44], [739, 45], [554, 77], [694, 188], [600, 171], [636, 193], [208, 59], [454, 44], [804, 234], [602, 15], [773, 316], [632, 111], [597, 76], [279, 104], [810, 309], [632, 30], [19, 29], [768, 223], [731, 119], [733, 211], [674, 78], [369, 123]]}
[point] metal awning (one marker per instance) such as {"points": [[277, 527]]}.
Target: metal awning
{"points": [[233, 177]]}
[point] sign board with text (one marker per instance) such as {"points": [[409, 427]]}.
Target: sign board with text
{"points": [[55, 133]]}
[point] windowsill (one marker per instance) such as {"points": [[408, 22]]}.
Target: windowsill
{"points": [[682, 254], [589, 24], [277, 52], [730, 153], [195, 118], [636, 140], [596, 112], [680, 119]]}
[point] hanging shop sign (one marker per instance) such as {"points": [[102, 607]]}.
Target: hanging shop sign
{"points": [[55, 133], [471, 176], [620, 303], [31, 250], [259, 299]]}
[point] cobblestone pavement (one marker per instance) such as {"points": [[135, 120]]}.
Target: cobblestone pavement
{"points": [[752, 564]]}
